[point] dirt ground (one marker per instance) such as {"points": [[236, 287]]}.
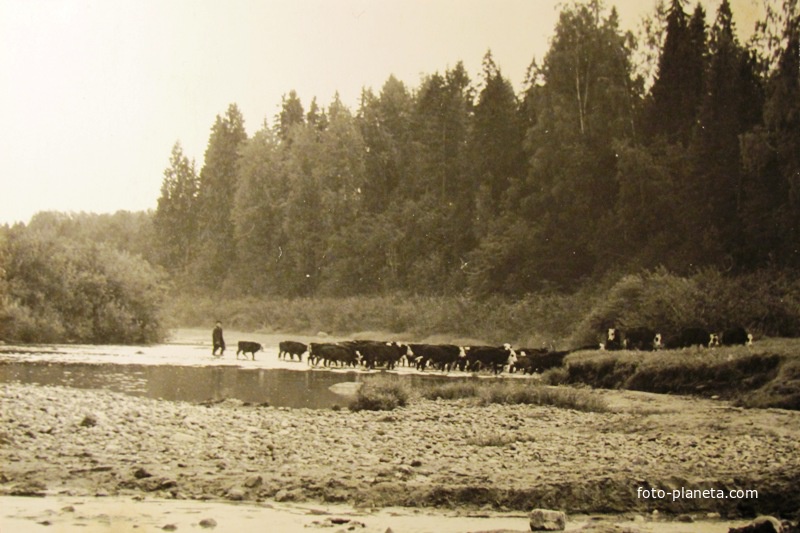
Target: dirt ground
{"points": [[105, 461]]}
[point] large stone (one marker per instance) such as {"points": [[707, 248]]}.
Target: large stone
{"points": [[547, 520], [762, 524]]}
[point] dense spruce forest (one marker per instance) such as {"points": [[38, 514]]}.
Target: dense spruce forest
{"points": [[672, 153]]}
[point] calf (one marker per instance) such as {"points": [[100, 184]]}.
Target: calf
{"points": [[291, 348], [246, 347]]}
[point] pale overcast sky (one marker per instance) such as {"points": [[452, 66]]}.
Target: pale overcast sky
{"points": [[94, 93]]}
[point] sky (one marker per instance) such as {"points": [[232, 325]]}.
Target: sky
{"points": [[95, 93]]}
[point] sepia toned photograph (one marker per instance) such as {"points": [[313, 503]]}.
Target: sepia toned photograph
{"points": [[400, 266]]}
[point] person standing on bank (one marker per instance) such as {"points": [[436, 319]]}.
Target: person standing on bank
{"points": [[216, 338]]}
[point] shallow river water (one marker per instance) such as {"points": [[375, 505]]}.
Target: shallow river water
{"points": [[314, 389]]}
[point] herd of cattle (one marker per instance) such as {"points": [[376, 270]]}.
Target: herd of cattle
{"points": [[372, 354]]}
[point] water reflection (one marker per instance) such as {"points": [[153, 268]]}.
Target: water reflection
{"points": [[276, 387]]}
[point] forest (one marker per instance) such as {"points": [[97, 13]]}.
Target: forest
{"points": [[675, 151]]}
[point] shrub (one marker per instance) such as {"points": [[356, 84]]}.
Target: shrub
{"points": [[535, 394], [451, 391], [556, 376], [381, 394], [58, 291]]}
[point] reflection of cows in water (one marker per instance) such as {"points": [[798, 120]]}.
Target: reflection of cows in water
{"points": [[291, 348], [246, 347]]}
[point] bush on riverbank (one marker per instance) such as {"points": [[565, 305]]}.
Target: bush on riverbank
{"points": [[764, 302], [69, 292], [381, 394]]}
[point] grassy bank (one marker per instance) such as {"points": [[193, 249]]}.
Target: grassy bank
{"points": [[385, 393], [765, 375], [534, 320], [766, 303]]}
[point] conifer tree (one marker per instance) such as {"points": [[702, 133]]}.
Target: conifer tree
{"points": [[215, 199], [175, 219]]}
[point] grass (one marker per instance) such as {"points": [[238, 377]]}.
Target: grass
{"points": [[764, 375], [517, 392], [536, 394], [383, 393], [451, 391]]}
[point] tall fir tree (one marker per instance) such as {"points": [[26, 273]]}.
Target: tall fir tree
{"points": [[175, 219], [672, 107], [496, 135], [257, 215], [731, 105], [771, 152], [216, 197], [291, 113]]}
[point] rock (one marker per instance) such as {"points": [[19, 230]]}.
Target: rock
{"points": [[152, 484], [170, 527], [89, 421], [141, 473], [235, 495], [253, 481], [685, 518], [547, 520], [208, 523], [31, 488], [762, 524]]}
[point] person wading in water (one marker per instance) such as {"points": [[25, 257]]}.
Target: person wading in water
{"points": [[216, 338]]}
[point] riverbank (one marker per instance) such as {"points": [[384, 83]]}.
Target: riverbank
{"points": [[431, 454]]}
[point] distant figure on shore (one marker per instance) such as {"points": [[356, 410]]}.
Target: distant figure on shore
{"points": [[216, 338]]}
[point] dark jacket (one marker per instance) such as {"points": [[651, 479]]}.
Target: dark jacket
{"points": [[216, 337]]}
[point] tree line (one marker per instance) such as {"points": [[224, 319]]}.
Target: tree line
{"points": [[460, 187], [457, 186]]}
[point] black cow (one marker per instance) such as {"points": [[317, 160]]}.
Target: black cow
{"points": [[642, 338], [693, 337], [378, 353], [441, 356], [549, 360], [246, 347], [330, 353], [736, 335], [291, 348], [613, 340], [492, 357]]}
